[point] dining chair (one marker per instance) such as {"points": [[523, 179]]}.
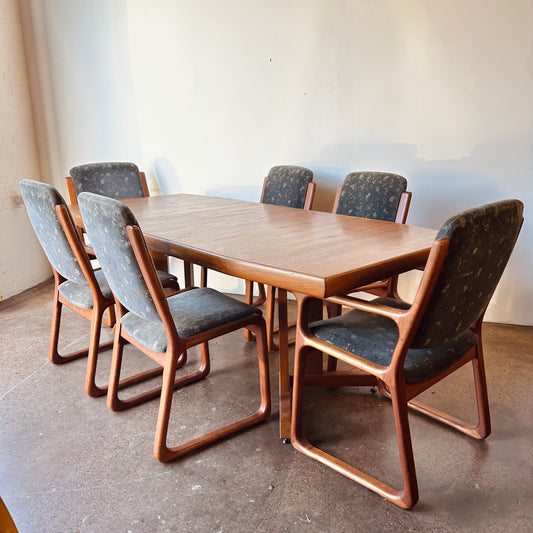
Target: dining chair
{"points": [[410, 347], [119, 180], [77, 285], [379, 196], [164, 328]]}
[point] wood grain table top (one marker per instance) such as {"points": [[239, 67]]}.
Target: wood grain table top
{"points": [[316, 253]]}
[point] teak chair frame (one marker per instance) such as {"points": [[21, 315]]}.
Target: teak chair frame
{"points": [[174, 357], [95, 315], [391, 384]]}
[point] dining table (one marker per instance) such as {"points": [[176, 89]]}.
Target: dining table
{"points": [[312, 254]]}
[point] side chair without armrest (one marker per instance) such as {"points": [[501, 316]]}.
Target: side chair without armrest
{"points": [[409, 348], [375, 195], [119, 180], [77, 285], [162, 328], [287, 186]]}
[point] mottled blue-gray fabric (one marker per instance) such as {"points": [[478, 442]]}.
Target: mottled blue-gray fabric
{"points": [[40, 200], [373, 195], [286, 185], [80, 294], [193, 312], [116, 180], [374, 337], [105, 221], [481, 242]]}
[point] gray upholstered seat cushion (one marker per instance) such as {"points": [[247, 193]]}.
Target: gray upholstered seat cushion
{"points": [[374, 337], [193, 312], [80, 295]]}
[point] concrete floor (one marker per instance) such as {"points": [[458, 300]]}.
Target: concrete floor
{"points": [[69, 464]]}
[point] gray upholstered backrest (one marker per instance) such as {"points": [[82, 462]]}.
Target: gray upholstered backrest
{"points": [[116, 180], [105, 221], [371, 195], [40, 200], [481, 242], [287, 185]]}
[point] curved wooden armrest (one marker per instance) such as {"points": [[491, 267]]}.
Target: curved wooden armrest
{"points": [[365, 305]]}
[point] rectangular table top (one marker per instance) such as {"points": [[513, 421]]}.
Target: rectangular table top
{"points": [[312, 252]]}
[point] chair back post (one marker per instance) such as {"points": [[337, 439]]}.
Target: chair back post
{"points": [[71, 191], [403, 207], [146, 264], [144, 184], [65, 219], [408, 323], [309, 195], [336, 201]]}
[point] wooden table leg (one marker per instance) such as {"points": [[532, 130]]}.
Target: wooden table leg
{"points": [[284, 379]]}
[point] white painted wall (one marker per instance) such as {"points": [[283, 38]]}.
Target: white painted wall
{"points": [[206, 96], [22, 263]]}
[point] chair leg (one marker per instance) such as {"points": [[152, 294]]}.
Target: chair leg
{"points": [[115, 383], [269, 317], [109, 317], [163, 453], [482, 429], [248, 297], [53, 353], [405, 497], [409, 495], [94, 348]]}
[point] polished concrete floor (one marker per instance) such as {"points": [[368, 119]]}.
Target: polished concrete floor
{"points": [[69, 464]]}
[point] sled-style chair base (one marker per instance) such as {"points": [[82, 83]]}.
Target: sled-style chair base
{"points": [[165, 328], [410, 347]]}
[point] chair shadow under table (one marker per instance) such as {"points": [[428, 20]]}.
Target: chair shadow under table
{"points": [[408, 348], [164, 328]]}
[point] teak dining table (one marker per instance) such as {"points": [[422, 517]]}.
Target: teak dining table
{"points": [[309, 253]]}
